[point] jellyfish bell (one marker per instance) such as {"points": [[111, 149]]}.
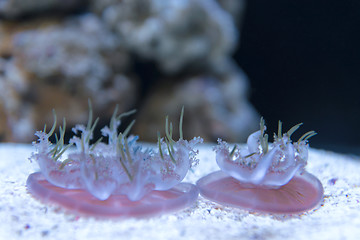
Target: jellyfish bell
{"points": [[83, 203], [303, 192]]}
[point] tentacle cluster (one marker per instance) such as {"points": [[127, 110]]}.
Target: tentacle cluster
{"points": [[261, 164], [120, 166]]}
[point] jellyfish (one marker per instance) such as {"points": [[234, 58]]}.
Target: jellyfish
{"points": [[114, 178], [263, 177]]}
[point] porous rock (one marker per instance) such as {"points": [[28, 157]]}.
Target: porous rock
{"points": [[61, 61], [178, 35], [215, 106], [61, 66]]}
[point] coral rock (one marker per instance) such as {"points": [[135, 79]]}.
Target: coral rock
{"points": [[176, 34], [62, 66], [214, 106]]}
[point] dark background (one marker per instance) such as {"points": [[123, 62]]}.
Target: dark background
{"points": [[303, 62]]}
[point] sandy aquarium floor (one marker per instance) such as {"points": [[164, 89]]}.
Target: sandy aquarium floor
{"points": [[338, 217]]}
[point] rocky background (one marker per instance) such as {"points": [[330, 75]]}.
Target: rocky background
{"points": [[152, 55]]}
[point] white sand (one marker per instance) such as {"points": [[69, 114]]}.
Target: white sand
{"points": [[23, 217]]}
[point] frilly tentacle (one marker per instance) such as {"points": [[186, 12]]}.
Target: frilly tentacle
{"points": [[263, 164], [120, 166]]}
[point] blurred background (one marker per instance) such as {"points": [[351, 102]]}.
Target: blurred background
{"points": [[302, 59], [227, 61]]}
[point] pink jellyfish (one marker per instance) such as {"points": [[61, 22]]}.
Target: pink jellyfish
{"points": [[263, 179], [114, 179]]}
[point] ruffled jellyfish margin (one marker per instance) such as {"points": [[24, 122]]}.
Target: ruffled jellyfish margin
{"points": [[116, 179], [264, 180]]}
